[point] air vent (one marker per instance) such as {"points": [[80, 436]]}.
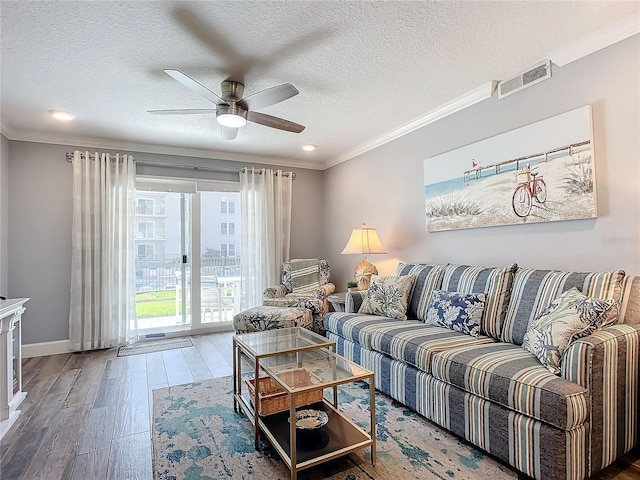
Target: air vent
{"points": [[525, 79]]}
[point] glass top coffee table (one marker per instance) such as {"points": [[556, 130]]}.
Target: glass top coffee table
{"points": [[293, 373], [257, 345]]}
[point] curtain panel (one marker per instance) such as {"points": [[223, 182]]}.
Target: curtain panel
{"points": [[266, 229], [102, 309]]}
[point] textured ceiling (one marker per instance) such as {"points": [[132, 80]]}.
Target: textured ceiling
{"points": [[362, 68]]}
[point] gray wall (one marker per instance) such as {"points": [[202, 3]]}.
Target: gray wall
{"points": [[4, 213], [384, 187], [40, 238], [39, 221]]}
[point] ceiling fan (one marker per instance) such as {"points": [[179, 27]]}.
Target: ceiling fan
{"points": [[232, 109]]}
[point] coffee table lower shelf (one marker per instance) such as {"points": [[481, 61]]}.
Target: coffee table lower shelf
{"points": [[341, 436]]}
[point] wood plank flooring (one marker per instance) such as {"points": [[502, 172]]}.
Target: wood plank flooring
{"points": [[87, 416]]}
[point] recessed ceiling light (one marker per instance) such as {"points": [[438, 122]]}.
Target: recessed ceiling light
{"points": [[62, 115], [308, 148]]}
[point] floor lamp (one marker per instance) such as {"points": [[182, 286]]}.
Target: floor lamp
{"points": [[364, 241]]}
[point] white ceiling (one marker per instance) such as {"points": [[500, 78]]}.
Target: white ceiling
{"points": [[363, 69]]}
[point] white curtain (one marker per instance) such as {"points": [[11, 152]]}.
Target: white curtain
{"points": [[102, 310], [266, 229]]}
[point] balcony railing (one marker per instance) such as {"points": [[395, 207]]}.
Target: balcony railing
{"points": [[149, 210], [159, 272]]}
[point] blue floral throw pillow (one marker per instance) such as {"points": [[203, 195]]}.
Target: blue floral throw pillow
{"points": [[461, 312], [387, 296], [570, 316]]}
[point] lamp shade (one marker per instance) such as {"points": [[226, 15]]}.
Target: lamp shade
{"points": [[363, 241]]}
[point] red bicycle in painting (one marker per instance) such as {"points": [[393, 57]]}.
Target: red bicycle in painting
{"points": [[529, 187]]}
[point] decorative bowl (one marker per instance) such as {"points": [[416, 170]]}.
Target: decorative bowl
{"points": [[309, 420]]}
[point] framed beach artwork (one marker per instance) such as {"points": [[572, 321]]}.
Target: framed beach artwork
{"points": [[543, 172]]}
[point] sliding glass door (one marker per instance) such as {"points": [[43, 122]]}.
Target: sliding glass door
{"points": [[220, 233], [188, 256]]}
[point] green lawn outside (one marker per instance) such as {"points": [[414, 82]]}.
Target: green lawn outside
{"points": [[156, 304], [161, 304]]}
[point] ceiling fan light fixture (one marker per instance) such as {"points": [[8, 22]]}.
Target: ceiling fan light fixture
{"points": [[308, 147], [231, 116], [231, 120]]}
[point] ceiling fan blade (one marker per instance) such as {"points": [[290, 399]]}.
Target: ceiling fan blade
{"points": [[194, 86], [183, 111], [229, 133], [274, 122], [270, 96]]}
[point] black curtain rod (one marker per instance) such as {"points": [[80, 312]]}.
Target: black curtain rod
{"points": [[69, 157]]}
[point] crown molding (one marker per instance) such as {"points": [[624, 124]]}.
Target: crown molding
{"points": [[614, 33], [470, 98], [38, 137], [6, 130]]}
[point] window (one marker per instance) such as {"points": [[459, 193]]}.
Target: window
{"points": [[227, 250], [146, 251], [227, 206], [146, 230], [144, 206], [227, 228]]}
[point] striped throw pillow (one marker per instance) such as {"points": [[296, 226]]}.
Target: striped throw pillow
{"points": [[427, 278], [494, 282], [533, 290]]}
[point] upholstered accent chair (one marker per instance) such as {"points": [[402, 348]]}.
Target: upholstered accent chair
{"points": [[305, 283]]}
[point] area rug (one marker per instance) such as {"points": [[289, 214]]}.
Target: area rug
{"points": [[197, 436], [154, 346]]}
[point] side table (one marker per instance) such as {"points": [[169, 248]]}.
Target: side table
{"points": [[337, 301]]}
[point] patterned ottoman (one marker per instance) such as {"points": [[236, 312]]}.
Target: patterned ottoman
{"points": [[257, 319]]}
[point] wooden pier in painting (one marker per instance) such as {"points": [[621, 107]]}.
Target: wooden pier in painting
{"points": [[477, 172]]}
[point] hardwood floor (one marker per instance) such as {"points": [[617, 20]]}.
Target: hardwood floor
{"points": [[87, 416]]}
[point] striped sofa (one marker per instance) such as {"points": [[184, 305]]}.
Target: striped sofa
{"points": [[488, 389]]}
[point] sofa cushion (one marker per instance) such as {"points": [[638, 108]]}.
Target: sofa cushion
{"points": [[461, 312], [534, 290], [427, 278], [259, 319], [414, 343], [356, 327], [630, 303], [495, 283], [570, 316], [387, 296], [293, 300], [510, 376]]}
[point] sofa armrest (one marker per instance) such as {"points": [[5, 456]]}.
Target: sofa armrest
{"points": [[274, 292], [353, 300], [606, 364]]}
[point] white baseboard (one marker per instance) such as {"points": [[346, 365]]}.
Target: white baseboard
{"points": [[45, 348]]}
